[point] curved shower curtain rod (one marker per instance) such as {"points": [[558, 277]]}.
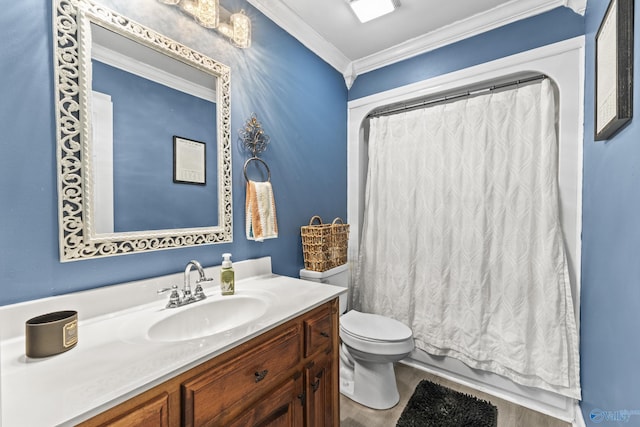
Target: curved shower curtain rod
{"points": [[415, 104]]}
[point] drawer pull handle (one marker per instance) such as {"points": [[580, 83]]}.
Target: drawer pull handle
{"points": [[324, 334], [315, 384], [260, 375]]}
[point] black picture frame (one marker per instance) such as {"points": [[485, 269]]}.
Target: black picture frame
{"points": [[189, 161], [613, 91]]}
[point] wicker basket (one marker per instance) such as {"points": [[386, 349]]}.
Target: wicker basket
{"points": [[339, 242], [324, 246]]}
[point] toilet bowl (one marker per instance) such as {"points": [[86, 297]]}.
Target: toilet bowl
{"points": [[370, 345]]}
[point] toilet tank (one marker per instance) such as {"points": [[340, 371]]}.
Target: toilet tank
{"points": [[338, 276]]}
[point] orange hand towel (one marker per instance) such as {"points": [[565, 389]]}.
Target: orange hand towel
{"points": [[261, 222]]}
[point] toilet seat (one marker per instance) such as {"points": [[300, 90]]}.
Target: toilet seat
{"points": [[373, 327], [375, 336]]}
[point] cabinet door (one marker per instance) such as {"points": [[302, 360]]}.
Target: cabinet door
{"points": [[320, 389], [153, 413], [281, 408]]}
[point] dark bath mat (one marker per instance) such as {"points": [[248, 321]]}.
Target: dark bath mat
{"points": [[433, 405]]}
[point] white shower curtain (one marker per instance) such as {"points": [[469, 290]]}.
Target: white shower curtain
{"points": [[462, 240]]}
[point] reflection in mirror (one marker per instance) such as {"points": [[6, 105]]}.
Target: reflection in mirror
{"points": [[123, 93], [141, 99]]}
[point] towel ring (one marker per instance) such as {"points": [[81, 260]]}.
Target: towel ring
{"points": [[259, 160]]}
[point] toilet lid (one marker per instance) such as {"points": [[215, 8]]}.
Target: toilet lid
{"points": [[373, 327]]}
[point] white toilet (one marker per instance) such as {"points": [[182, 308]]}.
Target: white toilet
{"points": [[370, 345]]}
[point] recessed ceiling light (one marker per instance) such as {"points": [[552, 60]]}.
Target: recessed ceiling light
{"points": [[366, 10]]}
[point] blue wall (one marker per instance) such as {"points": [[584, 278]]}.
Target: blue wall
{"points": [[610, 252], [146, 117], [300, 100]]}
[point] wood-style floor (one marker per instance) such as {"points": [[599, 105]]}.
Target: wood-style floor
{"points": [[509, 414]]}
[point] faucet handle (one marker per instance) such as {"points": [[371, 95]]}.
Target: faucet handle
{"points": [[174, 297], [198, 294]]}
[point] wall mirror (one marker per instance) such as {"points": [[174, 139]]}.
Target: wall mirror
{"points": [[132, 106]]}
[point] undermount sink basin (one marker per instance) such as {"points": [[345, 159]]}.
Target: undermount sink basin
{"points": [[208, 317]]}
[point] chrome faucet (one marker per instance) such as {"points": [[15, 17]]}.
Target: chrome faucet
{"points": [[199, 292], [175, 300]]}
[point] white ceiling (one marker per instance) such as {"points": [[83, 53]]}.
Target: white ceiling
{"points": [[414, 17], [332, 31]]}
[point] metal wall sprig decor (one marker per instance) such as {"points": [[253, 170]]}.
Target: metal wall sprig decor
{"points": [[253, 137], [254, 140]]}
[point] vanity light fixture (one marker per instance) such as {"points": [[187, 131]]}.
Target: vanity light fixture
{"points": [[238, 29], [209, 14], [366, 10], [241, 25]]}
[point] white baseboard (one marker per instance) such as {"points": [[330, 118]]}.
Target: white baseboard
{"points": [[579, 419], [551, 404]]}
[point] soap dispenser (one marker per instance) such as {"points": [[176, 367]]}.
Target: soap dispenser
{"points": [[227, 276]]}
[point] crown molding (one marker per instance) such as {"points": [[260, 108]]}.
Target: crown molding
{"points": [[126, 62], [504, 14], [578, 6]]}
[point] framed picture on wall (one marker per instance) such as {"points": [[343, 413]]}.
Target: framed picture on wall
{"points": [[614, 70], [189, 161]]}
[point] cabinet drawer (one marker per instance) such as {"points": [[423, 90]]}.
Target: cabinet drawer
{"points": [[317, 331], [210, 395]]}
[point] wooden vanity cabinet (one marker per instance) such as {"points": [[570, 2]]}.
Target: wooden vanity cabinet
{"points": [[285, 377]]}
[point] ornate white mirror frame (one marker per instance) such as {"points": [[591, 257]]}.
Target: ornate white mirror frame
{"points": [[72, 68]]}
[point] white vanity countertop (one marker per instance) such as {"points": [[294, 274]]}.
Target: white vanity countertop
{"points": [[114, 360]]}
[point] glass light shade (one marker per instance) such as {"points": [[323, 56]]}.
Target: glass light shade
{"points": [[169, 1], [366, 10], [225, 29], [189, 6], [241, 29], [208, 13]]}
